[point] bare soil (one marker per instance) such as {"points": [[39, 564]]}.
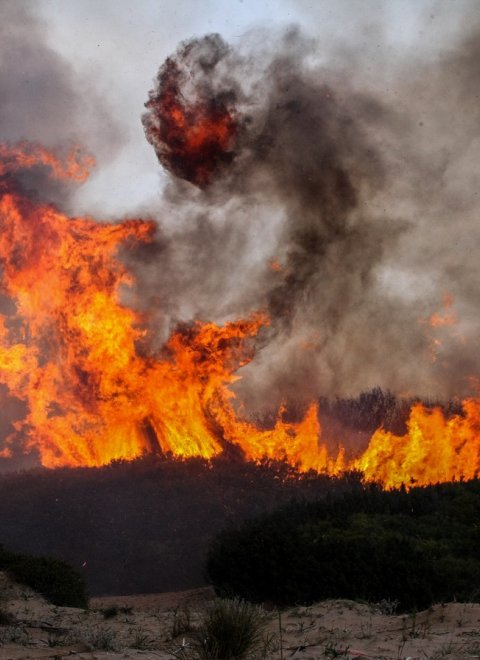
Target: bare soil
{"points": [[158, 626]]}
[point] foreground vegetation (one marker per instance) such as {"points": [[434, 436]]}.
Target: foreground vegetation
{"points": [[414, 547], [56, 580], [232, 630], [144, 526]]}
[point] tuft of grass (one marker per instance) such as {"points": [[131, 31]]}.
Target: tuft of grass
{"points": [[101, 639], [332, 650], [232, 630], [141, 640], [55, 639], [387, 606], [182, 621]]}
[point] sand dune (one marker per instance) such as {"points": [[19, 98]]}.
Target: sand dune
{"points": [[156, 626]]}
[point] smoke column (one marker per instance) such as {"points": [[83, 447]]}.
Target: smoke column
{"points": [[322, 210]]}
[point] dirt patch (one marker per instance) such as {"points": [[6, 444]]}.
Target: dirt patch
{"points": [[157, 626]]}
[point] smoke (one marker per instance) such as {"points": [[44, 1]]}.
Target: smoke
{"points": [[43, 99], [192, 140], [347, 210]]}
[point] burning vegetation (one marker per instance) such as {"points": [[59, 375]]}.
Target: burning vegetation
{"points": [[79, 358], [71, 352]]}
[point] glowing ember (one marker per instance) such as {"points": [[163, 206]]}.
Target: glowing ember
{"points": [[69, 352]]}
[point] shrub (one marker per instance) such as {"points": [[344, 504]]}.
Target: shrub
{"points": [[141, 640], [232, 630], [13, 635], [110, 612], [101, 639], [416, 547], [59, 582]]}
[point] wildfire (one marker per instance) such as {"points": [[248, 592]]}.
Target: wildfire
{"points": [[69, 351], [434, 449], [76, 165]]}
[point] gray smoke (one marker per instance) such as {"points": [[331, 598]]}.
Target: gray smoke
{"points": [[361, 190], [43, 100]]}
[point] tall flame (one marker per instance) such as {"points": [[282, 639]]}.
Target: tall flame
{"points": [[434, 449], [70, 352]]}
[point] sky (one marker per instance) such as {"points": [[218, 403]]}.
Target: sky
{"points": [[353, 305]]}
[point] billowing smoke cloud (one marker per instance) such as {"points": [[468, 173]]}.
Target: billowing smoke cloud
{"points": [[192, 138], [346, 211]]}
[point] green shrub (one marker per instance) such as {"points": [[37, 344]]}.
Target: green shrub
{"points": [[232, 630], [59, 582], [416, 547]]}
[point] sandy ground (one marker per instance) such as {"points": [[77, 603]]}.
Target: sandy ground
{"points": [[158, 626]]}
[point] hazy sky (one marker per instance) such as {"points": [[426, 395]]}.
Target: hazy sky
{"points": [[119, 46]]}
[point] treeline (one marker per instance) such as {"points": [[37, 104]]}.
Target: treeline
{"points": [[143, 526], [414, 547], [375, 408]]}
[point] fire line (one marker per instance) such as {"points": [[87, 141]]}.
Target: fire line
{"points": [[69, 352]]}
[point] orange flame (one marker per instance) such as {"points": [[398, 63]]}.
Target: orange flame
{"points": [[448, 318], [434, 449], [70, 352], [444, 322], [276, 266], [25, 155]]}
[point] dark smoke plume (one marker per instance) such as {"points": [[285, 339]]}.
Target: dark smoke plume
{"points": [[337, 213], [192, 137], [305, 151]]}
